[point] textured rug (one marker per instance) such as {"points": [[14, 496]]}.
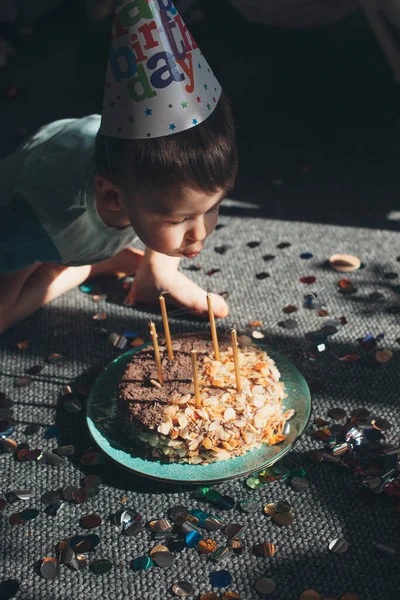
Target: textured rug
{"points": [[327, 509]]}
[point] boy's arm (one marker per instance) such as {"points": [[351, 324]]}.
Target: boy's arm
{"points": [[160, 273]]}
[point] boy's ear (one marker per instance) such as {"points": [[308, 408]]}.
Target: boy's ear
{"points": [[108, 193]]}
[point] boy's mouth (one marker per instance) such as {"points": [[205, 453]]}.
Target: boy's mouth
{"points": [[191, 253]]}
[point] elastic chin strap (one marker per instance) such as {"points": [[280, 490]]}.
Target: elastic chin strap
{"points": [[108, 158]]}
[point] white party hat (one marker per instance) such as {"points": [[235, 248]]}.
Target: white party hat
{"points": [[158, 81]]}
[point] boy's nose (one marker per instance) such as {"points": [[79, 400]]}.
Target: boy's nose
{"points": [[198, 232]]}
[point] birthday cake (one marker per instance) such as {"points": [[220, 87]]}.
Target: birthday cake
{"points": [[164, 421]]}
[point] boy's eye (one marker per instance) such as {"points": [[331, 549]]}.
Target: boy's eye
{"points": [[178, 222]]}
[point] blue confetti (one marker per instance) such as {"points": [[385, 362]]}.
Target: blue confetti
{"points": [[192, 538], [306, 255], [221, 578]]}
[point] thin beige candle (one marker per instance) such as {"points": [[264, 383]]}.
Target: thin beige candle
{"points": [[236, 359], [195, 371], [154, 337], [213, 328], [166, 327]]}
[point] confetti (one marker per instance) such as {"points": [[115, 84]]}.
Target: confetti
{"points": [[308, 279], [220, 578], [253, 244], [262, 276], [24, 345]]}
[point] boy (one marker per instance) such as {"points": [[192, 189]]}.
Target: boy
{"points": [[73, 198]]}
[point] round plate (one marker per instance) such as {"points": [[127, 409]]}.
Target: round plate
{"points": [[101, 421]]}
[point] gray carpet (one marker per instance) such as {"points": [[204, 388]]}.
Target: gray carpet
{"points": [[328, 508]]}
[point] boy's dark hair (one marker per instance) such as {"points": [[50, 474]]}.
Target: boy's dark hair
{"points": [[203, 157]]}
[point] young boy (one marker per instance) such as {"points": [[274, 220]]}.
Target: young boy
{"points": [[76, 195]]}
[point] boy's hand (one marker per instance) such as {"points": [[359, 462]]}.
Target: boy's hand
{"points": [[159, 273]]}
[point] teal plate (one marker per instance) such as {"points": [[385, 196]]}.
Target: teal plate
{"points": [[101, 421]]}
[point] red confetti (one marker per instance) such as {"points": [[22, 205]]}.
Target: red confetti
{"points": [[345, 283], [343, 321], [289, 309], [350, 357], [212, 272], [308, 280]]}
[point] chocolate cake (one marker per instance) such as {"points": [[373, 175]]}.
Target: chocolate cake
{"points": [[164, 421]]}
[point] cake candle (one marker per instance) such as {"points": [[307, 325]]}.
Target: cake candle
{"points": [[236, 359], [166, 327], [154, 337], [214, 336], [195, 372]]}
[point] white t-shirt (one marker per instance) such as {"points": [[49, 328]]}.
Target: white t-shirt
{"points": [[47, 200]]}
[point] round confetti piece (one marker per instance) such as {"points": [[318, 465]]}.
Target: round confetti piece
{"points": [[310, 595], [161, 525], [383, 356], [207, 546], [23, 381], [50, 568], [283, 519], [248, 506], [209, 596], [233, 530], [28, 514], [158, 548], [344, 263], [253, 244], [257, 335], [268, 257], [380, 424], [284, 245], [142, 563], [265, 585], [55, 359], [213, 523], [229, 595], [8, 589], [90, 459], [72, 406], [65, 450], [270, 509], [192, 538], [91, 521], [68, 492], [308, 279], [360, 413], [289, 324], [337, 414], [262, 275], [23, 494], [91, 481], [163, 559], [177, 511], [93, 540], [66, 555], [306, 255], [182, 588], [266, 549], [134, 529], [221, 578], [175, 544], [52, 497], [80, 495], [101, 566], [350, 597], [338, 545]]}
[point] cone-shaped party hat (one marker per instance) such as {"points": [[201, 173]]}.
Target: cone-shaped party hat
{"points": [[158, 81]]}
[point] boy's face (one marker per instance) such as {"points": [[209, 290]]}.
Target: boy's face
{"points": [[175, 222]]}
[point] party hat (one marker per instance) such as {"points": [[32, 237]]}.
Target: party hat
{"points": [[158, 81]]}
